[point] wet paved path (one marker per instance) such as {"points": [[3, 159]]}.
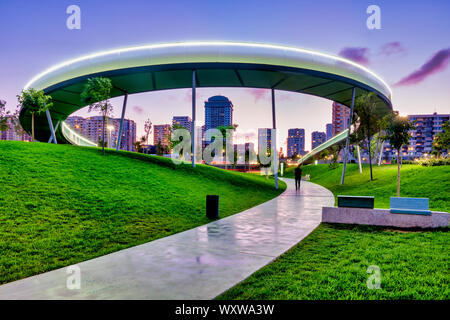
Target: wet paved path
{"points": [[200, 263]]}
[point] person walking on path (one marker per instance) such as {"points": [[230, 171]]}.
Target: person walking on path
{"points": [[298, 177]]}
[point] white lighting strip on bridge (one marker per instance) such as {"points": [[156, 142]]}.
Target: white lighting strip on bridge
{"points": [[203, 43], [65, 127]]}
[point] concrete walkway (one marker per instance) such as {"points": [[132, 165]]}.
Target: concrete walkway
{"points": [[200, 263]]}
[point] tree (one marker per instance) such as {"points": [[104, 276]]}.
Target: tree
{"points": [[442, 140], [397, 132], [173, 143], [159, 148], [324, 155], [16, 123], [225, 131], [138, 143], [334, 153], [35, 102], [96, 93], [4, 115], [147, 129], [367, 117]]}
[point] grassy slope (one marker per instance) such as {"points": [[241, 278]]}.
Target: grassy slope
{"points": [[332, 262], [62, 204], [415, 181]]}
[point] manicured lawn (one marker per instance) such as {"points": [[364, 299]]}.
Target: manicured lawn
{"points": [[415, 181], [332, 262], [61, 204]]}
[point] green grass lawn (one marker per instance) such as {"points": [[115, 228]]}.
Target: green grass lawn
{"points": [[415, 181], [62, 204], [332, 262]]}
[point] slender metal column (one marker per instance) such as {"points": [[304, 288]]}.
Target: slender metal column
{"points": [[381, 153], [359, 158], [376, 149], [274, 141], [348, 136], [50, 124], [56, 129], [124, 108], [193, 128]]}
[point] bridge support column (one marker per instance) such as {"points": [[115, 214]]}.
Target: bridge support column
{"points": [[358, 149], [348, 135], [50, 124], [381, 153], [274, 141], [193, 126], [124, 108], [56, 128]]}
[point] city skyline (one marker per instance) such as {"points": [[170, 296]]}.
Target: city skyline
{"points": [[410, 52]]}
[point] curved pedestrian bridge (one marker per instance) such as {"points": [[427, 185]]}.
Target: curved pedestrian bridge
{"points": [[201, 64]]}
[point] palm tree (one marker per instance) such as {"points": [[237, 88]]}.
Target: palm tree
{"points": [[138, 143], [35, 102], [96, 93]]}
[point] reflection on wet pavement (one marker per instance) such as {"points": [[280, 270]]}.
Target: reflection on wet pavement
{"points": [[199, 263]]}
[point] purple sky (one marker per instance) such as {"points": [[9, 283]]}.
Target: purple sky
{"points": [[412, 50]]}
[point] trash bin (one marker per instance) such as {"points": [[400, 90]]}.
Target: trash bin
{"points": [[212, 206]]}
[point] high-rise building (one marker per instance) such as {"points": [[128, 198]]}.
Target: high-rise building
{"points": [[426, 127], [329, 130], [161, 133], [317, 138], [295, 142], [92, 128], [264, 139], [128, 134], [183, 121], [340, 117], [11, 134], [218, 112]]}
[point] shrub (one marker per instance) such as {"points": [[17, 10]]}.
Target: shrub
{"points": [[431, 162], [333, 165]]}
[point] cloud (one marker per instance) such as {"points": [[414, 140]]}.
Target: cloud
{"points": [[138, 110], [437, 63], [258, 94], [392, 48], [286, 96], [359, 55]]}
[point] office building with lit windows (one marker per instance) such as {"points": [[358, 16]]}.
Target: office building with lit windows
{"points": [[295, 142]]}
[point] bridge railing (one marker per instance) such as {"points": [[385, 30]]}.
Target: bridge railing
{"points": [[74, 137], [336, 139]]}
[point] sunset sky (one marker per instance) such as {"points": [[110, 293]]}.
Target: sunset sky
{"points": [[411, 52]]}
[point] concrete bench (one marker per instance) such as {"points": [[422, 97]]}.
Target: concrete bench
{"points": [[383, 217], [410, 206], [356, 202]]}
